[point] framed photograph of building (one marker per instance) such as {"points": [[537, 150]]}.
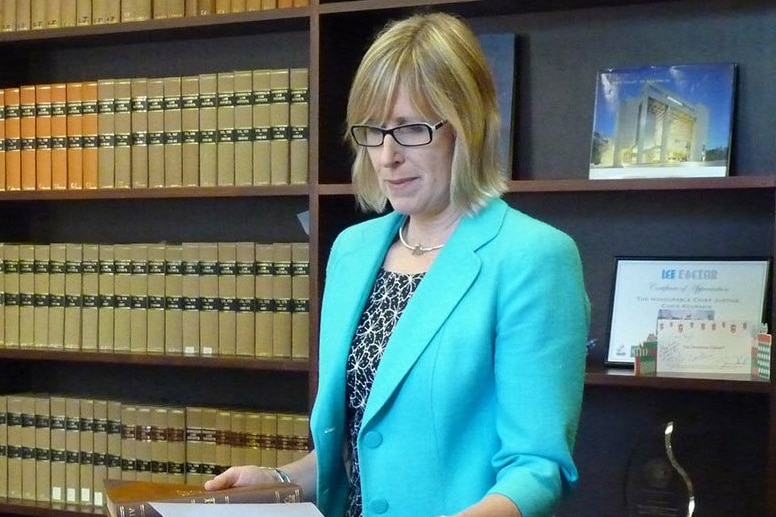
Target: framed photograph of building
{"points": [[663, 121]]}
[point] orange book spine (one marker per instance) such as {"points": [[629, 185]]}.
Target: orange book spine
{"points": [[58, 136], [282, 4], [13, 166], [43, 137], [2, 142], [27, 129], [89, 126], [75, 137]]}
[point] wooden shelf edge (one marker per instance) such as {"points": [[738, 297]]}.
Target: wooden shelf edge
{"points": [[625, 378], [238, 363], [156, 193], [36, 509]]}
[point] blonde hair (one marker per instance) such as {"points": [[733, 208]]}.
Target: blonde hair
{"points": [[437, 59]]}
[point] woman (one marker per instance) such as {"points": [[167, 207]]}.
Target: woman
{"points": [[453, 330]]}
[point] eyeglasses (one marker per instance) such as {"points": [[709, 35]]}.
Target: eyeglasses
{"points": [[407, 135]]}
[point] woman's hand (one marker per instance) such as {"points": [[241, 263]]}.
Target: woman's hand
{"points": [[245, 475]]}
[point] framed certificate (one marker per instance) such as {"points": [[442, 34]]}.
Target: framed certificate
{"points": [[646, 289]]}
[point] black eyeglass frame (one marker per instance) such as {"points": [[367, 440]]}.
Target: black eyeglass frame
{"points": [[432, 128]]}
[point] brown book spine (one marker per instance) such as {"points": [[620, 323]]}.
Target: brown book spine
{"points": [[106, 130], [283, 4], [264, 303], [113, 458], [253, 5], [156, 301], [227, 298], [53, 14], [173, 137], [281, 299], [301, 442], [90, 135], [173, 299], [299, 121], [139, 120], [13, 144], [279, 121], [237, 439], [14, 428], [41, 300], [190, 8], [190, 315], [268, 440], [138, 334], [27, 128], [262, 130], [58, 426], [190, 131], [176, 8], [59, 136], [9, 16], [122, 125], [226, 133], [208, 298], [128, 442], [159, 8], [2, 138], [83, 12], [73, 296], [11, 297], [301, 3], [86, 456], [68, 13], [208, 465], [159, 464], [155, 133], [38, 15], [29, 485], [223, 440], [245, 273], [194, 446], [100, 452], [252, 451], [90, 297], [285, 439], [43, 144], [176, 445], [3, 446], [122, 282], [300, 300], [56, 312], [223, 6], [75, 136], [208, 129], [26, 295], [243, 128], [23, 14], [2, 303], [206, 7], [143, 440], [72, 450], [107, 299]]}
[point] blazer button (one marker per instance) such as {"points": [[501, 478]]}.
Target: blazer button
{"points": [[372, 439], [379, 506]]}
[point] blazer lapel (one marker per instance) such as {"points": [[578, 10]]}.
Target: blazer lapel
{"points": [[448, 280]]}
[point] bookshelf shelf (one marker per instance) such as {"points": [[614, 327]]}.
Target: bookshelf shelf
{"points": [[625, 378], [33, 509], [158, 193]]}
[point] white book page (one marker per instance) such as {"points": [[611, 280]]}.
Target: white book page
{"points": [[237, 510]]}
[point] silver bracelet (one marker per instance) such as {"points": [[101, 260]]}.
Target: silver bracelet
{"points": [[282, 475]]}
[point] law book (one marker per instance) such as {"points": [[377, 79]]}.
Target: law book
{"points": [[194, 446], [301, 436], [237, 439], [299, 106], [75, 140], [38, 15], [113, 458], [300, 300], [262, 131], [253, 5], [43, 143], [41, 300], [99, 12], [138, 333], [285, 439], [72, 450], [280, 130], [23, 14], [29, 488], [208, 443], [208, 129], [122, 126], [281, 300], [190, 131], [59, 136], [42, 448], [107, 132], [27, 127], [223, 448], [106, 298], [139, 124], [90, 135], [227, 298], [68, 13], [173, 138], [128, 11], [143, 10], [73, 298], [252, 449], [122, 285], [112, 12], [9, 16], [58, 427], [159, 418], [2, 139], [53, 14], [284, 4], [225, 124], [126, 498], [190, 315], [3, 446], [90, 296], [245, 269], [223, 6], [156, 132], [243, 127], [128, 444], [83, 12], [56, 309], [26, 295], [208, 298], [268, 4], [156, 300], [13, 145], [86, 455], [264, 302], [268, 440], [100, 452], [206, 7], [173, 299], [2, 299], [143, 438], [301, 3], [11, 296], [176, 8], [159, 9], [14, 429], [176, 445]]}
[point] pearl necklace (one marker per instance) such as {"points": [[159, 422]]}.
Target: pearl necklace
{"points": [[416, 250]]}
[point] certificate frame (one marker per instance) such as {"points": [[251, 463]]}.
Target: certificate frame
{"points": [[646, 288]]}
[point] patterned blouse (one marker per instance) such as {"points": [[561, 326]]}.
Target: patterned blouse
{"points": [[387, 301]]}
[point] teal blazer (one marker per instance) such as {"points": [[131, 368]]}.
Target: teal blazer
{"points": [[480, 386]]}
